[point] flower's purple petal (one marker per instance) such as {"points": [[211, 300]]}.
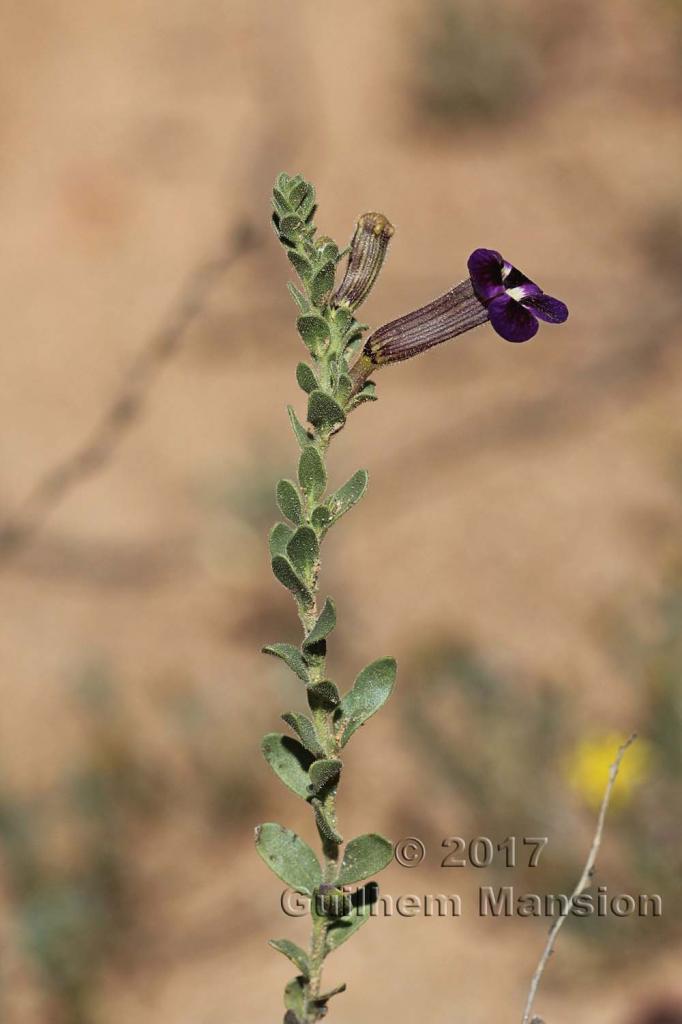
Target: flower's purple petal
{"points": [[547, 308], [485, 269], [511, 320]]}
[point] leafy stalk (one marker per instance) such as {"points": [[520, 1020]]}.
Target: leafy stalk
{"points": [[309, 763]]}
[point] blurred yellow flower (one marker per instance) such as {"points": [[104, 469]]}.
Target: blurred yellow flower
{"points": [[589, 763]]}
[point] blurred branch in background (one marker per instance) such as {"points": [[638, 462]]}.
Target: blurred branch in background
{"points": [[584, 882], [128, 404], [542, 767]]}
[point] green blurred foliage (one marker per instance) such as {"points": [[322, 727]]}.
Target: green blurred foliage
{"points": [[70, 855], [474, 62]]}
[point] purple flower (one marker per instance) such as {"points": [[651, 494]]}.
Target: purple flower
{"points": [[494, 291], [514, 302]]}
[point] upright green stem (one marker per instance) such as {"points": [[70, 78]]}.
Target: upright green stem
{"points": [[324, 728], [310, 765]]}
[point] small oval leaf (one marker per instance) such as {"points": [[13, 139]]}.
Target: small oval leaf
{"points": [[280, 535], [295, 997], [303, 551], [294, 953], [314, 331], [305, 730], [306, 379], [342, 500], [312, 475], [324, 412], [291, 656], [321, 519], [280, 203], [323, 695], [371, 690], [299, 298], [290, 761], [300, 265], [302, 193], [322, 284], [300, 433], [344, 389], [364, 856], [322, 773], [290, 227], [341, 930], [366, 394], [289, 857], [283, 571], [289, 501]]}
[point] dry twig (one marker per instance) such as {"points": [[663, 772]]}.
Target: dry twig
{"points": [[583, 883]]}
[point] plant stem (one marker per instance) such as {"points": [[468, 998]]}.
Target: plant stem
{"points": [[323, 721]]}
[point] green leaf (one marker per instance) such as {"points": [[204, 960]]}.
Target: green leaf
{"points": [[297, 956], [322, 284], [284, 572], [306, 208], [364, 856], [368, 393], [321, 518], [324, 625], [280, 535], [302, 192], [291, 656], [289, 857], [299, 298], [309, 250], [305, 730], [371, 690], [289, 760], [300, 265], [280, 203], [323, 695], [306, 379], [324, 824], [289, 501], [324, 412], [344, 388], [343, 928], [303, 551], [344, 319], [301, 434], [327, 250], [322, 773], [290, 227], [314, 331], [295, 997], [312, 476], [342, 500]]}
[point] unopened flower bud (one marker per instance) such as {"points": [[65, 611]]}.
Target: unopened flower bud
{"points": [[367, 254]]}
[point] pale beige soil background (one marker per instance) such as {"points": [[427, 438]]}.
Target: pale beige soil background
{"points": [[516, 491]]}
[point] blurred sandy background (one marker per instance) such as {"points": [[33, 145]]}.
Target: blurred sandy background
{"points": [[523, 513]]}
